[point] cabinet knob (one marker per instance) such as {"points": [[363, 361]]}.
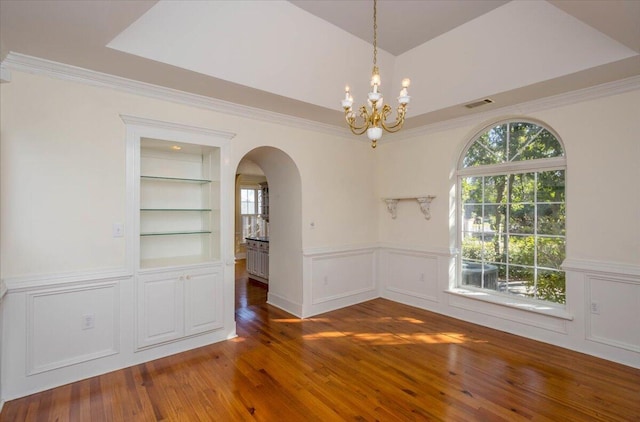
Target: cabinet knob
{"points": [[188, 277]]}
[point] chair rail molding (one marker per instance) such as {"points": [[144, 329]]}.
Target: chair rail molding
{"points": [[33, 282], [602, 267]]}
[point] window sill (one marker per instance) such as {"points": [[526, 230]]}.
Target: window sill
{"points": [[513, 302]]}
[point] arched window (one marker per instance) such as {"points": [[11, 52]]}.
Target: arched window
{"points": [[511, 184]]}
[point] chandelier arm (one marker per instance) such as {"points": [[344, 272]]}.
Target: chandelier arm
{"points": [[351, 121], [397, 125]]}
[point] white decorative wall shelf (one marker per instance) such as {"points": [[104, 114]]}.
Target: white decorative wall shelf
{"points": [[423, 201]]}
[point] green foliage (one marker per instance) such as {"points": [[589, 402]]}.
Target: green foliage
{"points": [[551, 286], [514, 141]]}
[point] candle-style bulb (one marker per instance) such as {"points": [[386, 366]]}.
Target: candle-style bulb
{"points": [[406, 82]]}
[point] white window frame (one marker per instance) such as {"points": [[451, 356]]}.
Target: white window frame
{"points": [[526, 166], [256, 214]]}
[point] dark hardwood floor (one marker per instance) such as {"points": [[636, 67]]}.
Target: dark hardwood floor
{"points": [[378, 360]]}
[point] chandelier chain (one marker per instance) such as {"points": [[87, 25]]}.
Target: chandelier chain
{"points": [[375, 34]]}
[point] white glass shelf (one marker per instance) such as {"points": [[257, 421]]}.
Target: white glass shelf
{"points": [[176, 233], [174, 179], [177, 209]]}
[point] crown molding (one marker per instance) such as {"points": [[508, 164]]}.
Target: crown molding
{"points": [[567, 98], [157, 124], [34, 65], [5, 75]]}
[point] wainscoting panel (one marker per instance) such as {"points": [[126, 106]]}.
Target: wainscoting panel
{"points": [[611, 300], [71, 325], [412, 273], [339, 278]]}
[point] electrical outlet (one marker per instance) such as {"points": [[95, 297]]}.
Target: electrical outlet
{"points": [[595, 308], [117, 230], [88, 321]]}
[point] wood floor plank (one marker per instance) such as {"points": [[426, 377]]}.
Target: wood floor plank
{"points": [[378, 360]]}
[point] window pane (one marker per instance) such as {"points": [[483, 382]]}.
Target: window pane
{"points": [[522, 187], [490, 148], [472, 248], [551, 186], [551, 218], [551, 252], [551, 286], [496, 141], [473, 212], [522, 250], [471, 189], [521, 280], [248, 201], [546, 146], [529, 141], [521, 140], [502, 276], [495, 250], [495, 189], [494, 218], [480, 275], [471, 220], [521, 218]]}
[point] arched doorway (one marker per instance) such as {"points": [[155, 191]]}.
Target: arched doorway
{"points": [[285, 227]]}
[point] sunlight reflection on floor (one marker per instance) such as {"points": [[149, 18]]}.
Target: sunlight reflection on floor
{"points": [[396, 338]]}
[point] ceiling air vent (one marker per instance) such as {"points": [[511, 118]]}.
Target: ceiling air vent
{"points": [[479, 103]]}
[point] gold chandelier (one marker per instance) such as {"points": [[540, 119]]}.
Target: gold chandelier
{"points": [[374, 118]]}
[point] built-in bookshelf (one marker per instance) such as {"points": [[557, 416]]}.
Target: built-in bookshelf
{"points": [[179, 203]]}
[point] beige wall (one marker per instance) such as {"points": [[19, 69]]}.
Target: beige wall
{"points": [[602, 141], [63, 174]]}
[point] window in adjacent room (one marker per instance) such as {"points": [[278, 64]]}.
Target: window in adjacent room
{"points": [[250, 209], [511, 181]]}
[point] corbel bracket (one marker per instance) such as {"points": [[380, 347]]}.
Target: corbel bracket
{"points": [[424, 202]]}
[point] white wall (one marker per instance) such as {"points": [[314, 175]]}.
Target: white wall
{"points": [[603, 228], [285, 220]]}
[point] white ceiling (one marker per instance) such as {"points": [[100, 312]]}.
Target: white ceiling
{"points": [[295, 57]]}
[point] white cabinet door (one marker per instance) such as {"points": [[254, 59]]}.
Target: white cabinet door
{"points": [[175, 304], [160, 308], [203, 300]]}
